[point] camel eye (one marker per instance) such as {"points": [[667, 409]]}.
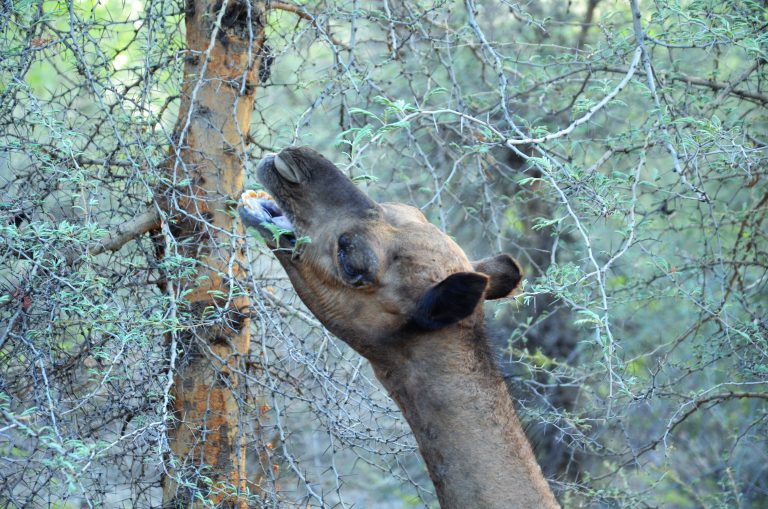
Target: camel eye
{"points": [[357, 262]]}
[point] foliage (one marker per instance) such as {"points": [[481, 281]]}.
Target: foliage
{"points": [[622, 159]]}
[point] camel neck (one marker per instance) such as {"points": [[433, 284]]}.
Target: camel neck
{"points": [[459, 409]]}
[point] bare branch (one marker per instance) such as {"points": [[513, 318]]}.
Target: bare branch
{"points": [[122, 234], [590, 112], [127, 231], [305, 15], [701, 82]]}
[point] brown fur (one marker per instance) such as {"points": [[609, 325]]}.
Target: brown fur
{"points": [[396, 267]]}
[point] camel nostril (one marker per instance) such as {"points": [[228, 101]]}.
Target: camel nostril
{"points": [[285, 170]]}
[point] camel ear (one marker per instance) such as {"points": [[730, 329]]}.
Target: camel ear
{"points": [[505, 274], [452, 299]]}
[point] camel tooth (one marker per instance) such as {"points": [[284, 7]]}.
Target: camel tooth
{"points": [[250, 196]]}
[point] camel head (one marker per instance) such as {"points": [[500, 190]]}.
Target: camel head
{"points": [[372, 273]]}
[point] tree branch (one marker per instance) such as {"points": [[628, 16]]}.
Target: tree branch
{"points": [[695, 406], [127, 231], [666, 137], [590, 112], [700, 82], [587, 23], [303, 14], [122, 234]]}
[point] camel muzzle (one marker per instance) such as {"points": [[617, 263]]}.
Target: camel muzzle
{"points": [[308, 193]]}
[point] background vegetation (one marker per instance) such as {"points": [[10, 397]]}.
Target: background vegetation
{"points": [[618, 149]]}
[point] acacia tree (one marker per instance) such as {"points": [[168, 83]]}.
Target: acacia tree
{"points": [[207, 172], [619, 149]]}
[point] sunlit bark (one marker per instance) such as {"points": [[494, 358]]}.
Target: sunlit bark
{"points": [[207, 169]]}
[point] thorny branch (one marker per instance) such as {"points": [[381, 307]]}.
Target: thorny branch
{"points": [[625, 170]]}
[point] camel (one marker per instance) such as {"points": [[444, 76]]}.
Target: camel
{"points": [[405, 296]]}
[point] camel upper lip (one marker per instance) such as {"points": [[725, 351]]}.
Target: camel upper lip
{"points": [[269, 174]]}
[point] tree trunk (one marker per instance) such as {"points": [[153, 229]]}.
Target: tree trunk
{"points": [[224, 39]]}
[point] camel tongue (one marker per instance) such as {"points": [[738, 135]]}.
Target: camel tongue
{"points": [[282, 222]]}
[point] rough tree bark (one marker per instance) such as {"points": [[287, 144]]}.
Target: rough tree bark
{"points": [[224, 39]]}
